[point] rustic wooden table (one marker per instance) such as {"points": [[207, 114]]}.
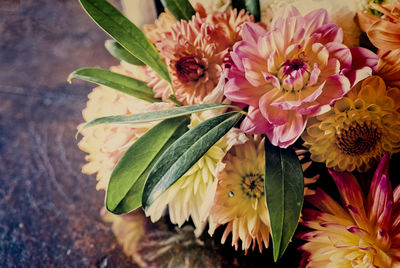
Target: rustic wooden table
{"points": [[49, 211]]}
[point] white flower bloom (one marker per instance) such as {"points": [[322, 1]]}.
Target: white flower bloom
{"points": [[193, 194], [341, 12]]}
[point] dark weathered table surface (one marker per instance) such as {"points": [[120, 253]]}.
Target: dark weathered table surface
{"points": [[49, 211]]}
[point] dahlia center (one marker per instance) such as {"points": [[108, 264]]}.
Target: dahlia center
{"points": [[293, 75], [253, 185], [358, 139], [289, 66], [189, 68]]}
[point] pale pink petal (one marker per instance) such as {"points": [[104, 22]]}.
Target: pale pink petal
{"points": [[251, 32], [254, 70], [287, 134], [340, 52], [292, 29], [240, 90], [329, 33], [335, 88], [291, 105], [255, 123], [352, 196], [285, 12], [385, 216], [382, 169], [396, 195], [274, 115], [314, 75], [315, 19]]}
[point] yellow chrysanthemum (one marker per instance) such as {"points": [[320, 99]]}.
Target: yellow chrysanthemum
{"points": [[106, 144], [359, 129], [240, 200], [193, 194]]}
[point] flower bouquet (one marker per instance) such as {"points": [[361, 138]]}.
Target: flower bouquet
{"points": [[218, 115]]}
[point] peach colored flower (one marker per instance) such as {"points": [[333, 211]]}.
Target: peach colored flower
{"points": [[163, 24], [389, 67], [195, 52], [384, 31], [293, 72], [363, 233]]}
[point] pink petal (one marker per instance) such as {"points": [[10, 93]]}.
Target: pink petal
{"points": [[325, 203], [285, 12], [273, 80], [240, 90], [381, 170], [251, 32], [255, 123], [316, 19], [241, 50], [381, 195], [340, 52], [283, 104], [363, 57], [274, 115], [329, 33], [335, 88], [386, 216], [254, 71], [292, 29], [352, 196], [358, 75], [361, 233], [396, 195], [286, 134], [364, 63], [314, 75], [313, 109]]}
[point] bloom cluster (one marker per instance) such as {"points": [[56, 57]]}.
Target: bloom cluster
{"points": [[300, 89]]}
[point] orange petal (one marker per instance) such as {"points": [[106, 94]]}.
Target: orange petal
{"points": [[365, 20], [385, 35]]}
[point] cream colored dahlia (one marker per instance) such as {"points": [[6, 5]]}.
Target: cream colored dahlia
{"points": [[363, 233], [193, 194], [164, 22], [240, 199], [341, 13], [359, 129], [195, 52], [107, 143]]}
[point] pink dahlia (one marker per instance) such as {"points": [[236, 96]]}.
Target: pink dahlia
{"points": [[363, 233], [293, 72]]}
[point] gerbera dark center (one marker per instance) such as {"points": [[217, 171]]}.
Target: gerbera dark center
{"points": [[188, 69], [358, 139], [253, 185]]}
